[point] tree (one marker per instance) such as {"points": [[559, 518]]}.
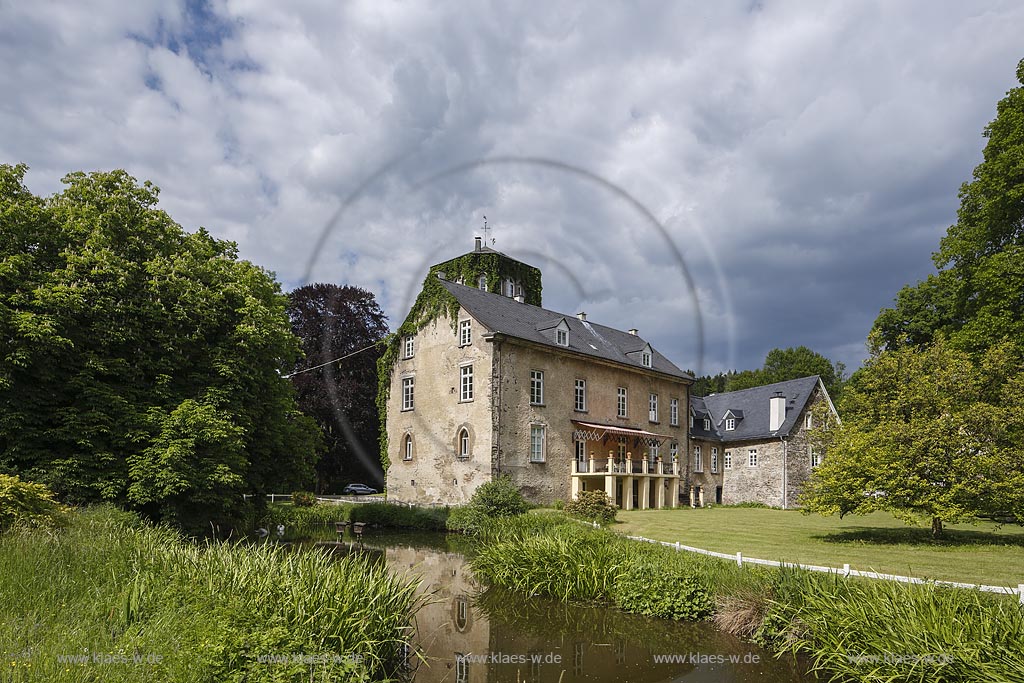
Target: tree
{"points": [[333, 321], [926, 433], [779, 365], [974, 299], [140, 363]]}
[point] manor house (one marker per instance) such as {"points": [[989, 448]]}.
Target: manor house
{"points": [[487, 382]]}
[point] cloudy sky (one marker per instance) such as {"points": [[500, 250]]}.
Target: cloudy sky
{"points": [[799, 160]]}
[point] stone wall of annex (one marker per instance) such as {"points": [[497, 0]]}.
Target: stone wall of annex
{"points": [[436, 473], [549, 481]]}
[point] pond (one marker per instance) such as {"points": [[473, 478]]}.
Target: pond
{"points": [[472, 635]]}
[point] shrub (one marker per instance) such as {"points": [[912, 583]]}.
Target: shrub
{"points": [[303, 499], [592, 505], [24, 502], [467, 519], [558, 504], [499, 498]]}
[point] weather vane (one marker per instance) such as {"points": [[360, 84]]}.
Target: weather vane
{"points": [[487, 232]]}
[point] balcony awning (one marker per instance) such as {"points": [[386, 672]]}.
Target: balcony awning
{"points": [[592, 431]]}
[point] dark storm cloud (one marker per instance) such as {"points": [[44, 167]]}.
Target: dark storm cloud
{"points": [[805, 158]]}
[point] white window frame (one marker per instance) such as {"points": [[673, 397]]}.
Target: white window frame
{"points": [[652, 408], [466, 383], [707, 424], [673, 412], [727, 460], [673, 450], [714, 460], [465, 332], [622, 409], [409, 348], [464, 445], [562, 337], [481, 282], [752, 457], [815, 458], [408, 393], [536, 387], [645, 359], [730, 424], [580, 396], [698, 459], [407, 447], [581, 451], [542, 446], [809, 421], [655, 451]]}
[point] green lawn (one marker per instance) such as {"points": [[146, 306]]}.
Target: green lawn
{"points": [[978, 553]]}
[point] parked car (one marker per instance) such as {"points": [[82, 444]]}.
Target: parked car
{"points": [[357, 490]]}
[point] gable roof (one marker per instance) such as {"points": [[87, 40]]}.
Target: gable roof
{"points": [[752, 404], [504, 315]]}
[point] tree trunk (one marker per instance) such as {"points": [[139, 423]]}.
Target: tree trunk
{"points": [[936, 527]]}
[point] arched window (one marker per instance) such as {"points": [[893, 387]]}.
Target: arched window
{"points": [[407, 447], [464, 444]]}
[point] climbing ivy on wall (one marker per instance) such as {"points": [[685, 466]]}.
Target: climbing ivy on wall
{"points": [[435, 301]]}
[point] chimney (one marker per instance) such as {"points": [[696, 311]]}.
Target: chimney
{"points": [[479, 243], [582, 316], [634, 331], [776, 411]]}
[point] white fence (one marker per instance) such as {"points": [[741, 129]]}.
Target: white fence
{"points": [[739, 559], [334, 500]]}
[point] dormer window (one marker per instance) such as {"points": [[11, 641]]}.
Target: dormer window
{"points": [[707, 425], [645, 358], [562, 337], [481, 282], [691, 421], [730, 424]]}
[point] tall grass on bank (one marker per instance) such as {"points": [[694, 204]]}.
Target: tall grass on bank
{"points": [[142, 604], [852, 629], [317, 520]]}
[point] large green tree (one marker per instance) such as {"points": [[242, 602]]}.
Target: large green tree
{"points": [[344, 322], [975, 299], [779, 365], [140, 363], [927, 433]]}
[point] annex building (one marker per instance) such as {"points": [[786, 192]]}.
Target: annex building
{"points": [[485, 382]]}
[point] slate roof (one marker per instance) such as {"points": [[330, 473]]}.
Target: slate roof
{"points": [[754, 406], [505, 315]]}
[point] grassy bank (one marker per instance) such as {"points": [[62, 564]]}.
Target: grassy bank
{"points": [[851, 629], [981, 553], [317, 521], [113, 599]]}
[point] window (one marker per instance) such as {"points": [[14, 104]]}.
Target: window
{"points": [[714, 460], [691, 421], [622, 447], [730, 424], [673, 451], [622, 402], [815, 458], [461, 613], [465, 332], [809, 421], [698, 460], [707, 425], [537, 387], [407, 448], [645, 359], [481, 282], [461, 668], [410, 347], [752, 457], [655, 451], [407, 393], [510, 288], [562, 337], [673, 412], [727, 460], [466, 376], [463, 444], [580, 396], [653, 407], [537, 443], [581, 451]]}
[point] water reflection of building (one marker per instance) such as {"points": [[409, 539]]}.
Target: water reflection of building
{"points": [[451, 627]]}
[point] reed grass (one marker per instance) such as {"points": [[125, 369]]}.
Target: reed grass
{"points": [[851, 629], [110, 587]]}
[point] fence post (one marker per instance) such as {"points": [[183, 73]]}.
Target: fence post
{"points": [[1020, 592], [677, 547], [739, 559], [846, 569]]}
